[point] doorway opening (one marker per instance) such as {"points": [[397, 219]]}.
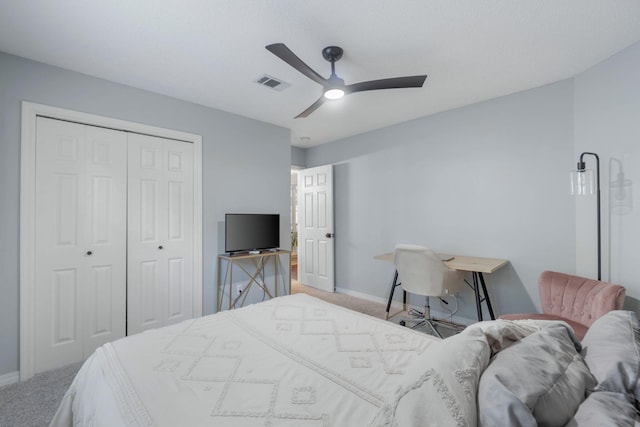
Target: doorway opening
{"points": [[294, 223]]}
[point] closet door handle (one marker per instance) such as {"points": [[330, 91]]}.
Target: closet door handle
{"points": [[160, 247], [89, 253]]}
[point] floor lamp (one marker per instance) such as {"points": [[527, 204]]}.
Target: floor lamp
{"points": [[582, 183]]}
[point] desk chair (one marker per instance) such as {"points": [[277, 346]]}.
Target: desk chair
{"points": [[422, 272], [573, 299]]}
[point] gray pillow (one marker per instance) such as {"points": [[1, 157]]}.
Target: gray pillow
{"points": [[604, 408], [541, 380], [611, 350]]}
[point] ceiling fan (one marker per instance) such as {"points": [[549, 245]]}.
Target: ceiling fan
{"points": [[334, 87]]}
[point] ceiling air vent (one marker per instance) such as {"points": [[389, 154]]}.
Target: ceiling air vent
{"points": [[272, 82]]}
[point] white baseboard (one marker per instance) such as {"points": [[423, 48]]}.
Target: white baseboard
{"points": [[10, 378], [397, 305]]}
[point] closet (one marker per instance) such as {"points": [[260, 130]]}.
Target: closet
{"points": [[114, 237]]}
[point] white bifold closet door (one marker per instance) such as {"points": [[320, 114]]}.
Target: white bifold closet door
{"points": [[81, 247], [114, 228], [160, 240]]}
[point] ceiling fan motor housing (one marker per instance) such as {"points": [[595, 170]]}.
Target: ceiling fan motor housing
{"points": [[332, 53]]}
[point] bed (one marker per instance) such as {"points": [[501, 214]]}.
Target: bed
{"points": [[299, 361]]}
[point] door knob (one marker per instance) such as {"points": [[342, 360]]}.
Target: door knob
{"points": [[89, 253], [160, 247], [329, 235]]}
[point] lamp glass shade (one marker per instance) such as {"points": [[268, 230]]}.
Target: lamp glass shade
{"points": [[582, 182], [334, 94]]}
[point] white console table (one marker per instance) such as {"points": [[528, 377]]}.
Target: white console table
{"points": [[253, 265]]}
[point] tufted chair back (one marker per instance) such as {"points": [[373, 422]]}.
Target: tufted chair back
{"points": [[577, 298]]}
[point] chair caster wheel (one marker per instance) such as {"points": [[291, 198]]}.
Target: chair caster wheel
{"points": [[403, 323]]}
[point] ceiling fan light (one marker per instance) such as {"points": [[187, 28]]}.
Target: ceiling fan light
{"points": [[334, 93]]}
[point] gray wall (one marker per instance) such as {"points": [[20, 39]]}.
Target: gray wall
{"points": [[298, 157], [607, 121], [246, 165], [489, 180]]}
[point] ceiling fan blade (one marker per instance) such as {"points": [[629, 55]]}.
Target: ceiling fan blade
{"points": [[284, 53], [391, 83], [313, 107]]}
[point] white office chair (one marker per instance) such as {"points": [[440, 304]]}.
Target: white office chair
{"points": [[422, 272]]}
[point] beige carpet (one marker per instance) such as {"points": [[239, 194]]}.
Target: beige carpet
{"points": [[343, 300], [364, 306]]}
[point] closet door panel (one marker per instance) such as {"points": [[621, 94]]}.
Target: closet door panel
{"points": [[65, 323], [179, 189], [176, 210], [101, 315], [59, 183], [176, 290], [105, 279], [150, 294], [80, 220], [147, 285], [160, 232], [65, 199], [148, 214]]}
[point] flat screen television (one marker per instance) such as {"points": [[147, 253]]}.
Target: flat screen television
{"points": [[251, 232]]}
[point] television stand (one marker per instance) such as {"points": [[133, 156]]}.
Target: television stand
{"points": [[253, 266]]}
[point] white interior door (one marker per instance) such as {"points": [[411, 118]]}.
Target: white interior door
{"points": [[161, 232], [315, 228], [80, 250]]}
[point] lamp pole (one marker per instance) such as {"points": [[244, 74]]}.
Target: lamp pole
{"points": [[581, 168]]}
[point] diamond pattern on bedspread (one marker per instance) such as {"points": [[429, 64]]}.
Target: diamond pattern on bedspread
{"points": [[278, 363]]}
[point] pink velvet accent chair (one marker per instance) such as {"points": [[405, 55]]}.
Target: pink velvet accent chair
{"points": [[576, 300]]}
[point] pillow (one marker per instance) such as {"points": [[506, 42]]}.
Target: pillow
{"points": [[612, 353], [444, 385], [604, 409], [541, 380]]}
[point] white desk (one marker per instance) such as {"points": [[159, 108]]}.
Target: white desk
{"points": [[475, 265]]}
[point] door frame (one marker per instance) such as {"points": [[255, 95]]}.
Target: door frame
{"points": [[30, 111]]}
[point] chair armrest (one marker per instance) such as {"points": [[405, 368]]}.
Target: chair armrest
{"points": [[608, 298]]}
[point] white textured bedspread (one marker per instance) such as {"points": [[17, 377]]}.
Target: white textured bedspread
{"points": [[290, 361]]}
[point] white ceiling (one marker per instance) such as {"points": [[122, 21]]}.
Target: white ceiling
{"points": [[211, 51]]}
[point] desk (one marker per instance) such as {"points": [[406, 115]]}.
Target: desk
{"points": [[475, 265], [256, 277]]}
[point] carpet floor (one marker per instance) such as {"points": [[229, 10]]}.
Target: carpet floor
{"points": [[34, 402], [363, 306], [369, 307]]}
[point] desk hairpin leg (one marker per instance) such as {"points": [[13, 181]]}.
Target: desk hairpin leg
{"points": [[478, 284], [476, 291], [486, 296], [393, 288]]}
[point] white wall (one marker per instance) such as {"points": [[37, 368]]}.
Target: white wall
{"points": [[488, 180], [607, 121], [246, 165]]}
